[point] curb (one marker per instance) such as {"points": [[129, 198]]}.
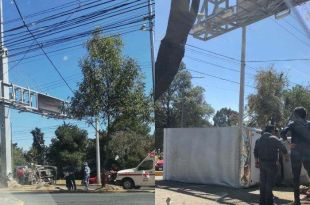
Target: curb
{"points": [[80, 191]]}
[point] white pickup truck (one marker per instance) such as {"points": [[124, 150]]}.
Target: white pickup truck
{"points": [[142, 175]]}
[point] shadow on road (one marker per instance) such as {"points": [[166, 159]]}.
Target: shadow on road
{"points": [[220, 194]]}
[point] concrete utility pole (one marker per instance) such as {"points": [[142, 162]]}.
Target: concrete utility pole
{"points": [[98, 151], [5, 129], [151, 25], [242, 74]]}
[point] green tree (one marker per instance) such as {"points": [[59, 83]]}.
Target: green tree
{"points": [[183, 105], [112, 89], [36, 154], [225, 117], [18, 154], [294, 97], [130, 147], [68, 147], [267, 104]]}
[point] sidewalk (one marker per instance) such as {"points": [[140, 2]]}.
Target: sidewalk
{"points": [[193, 194]]}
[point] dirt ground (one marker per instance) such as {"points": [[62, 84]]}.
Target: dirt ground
{"points": [[194, 194], [41, 187]]}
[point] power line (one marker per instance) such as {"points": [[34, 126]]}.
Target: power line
{"points": [[279, 60], [52, 63], [74, 46], [292, 34], [251, 61], [54, 16], [11, 68], [84, 34], [105, 13], [216, 65], [294, 27], [72, 25], [63, 39], [215, 53], [218, 77], [42, 12]]}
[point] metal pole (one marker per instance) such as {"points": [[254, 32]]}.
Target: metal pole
{"points": [[242, 73], [98, 151], [182, 113], [151, 25], [5, 127]]}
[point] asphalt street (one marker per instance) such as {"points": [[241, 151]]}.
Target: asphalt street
{"points": [[127, 198]]}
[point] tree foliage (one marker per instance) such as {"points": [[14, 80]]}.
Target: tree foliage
{"points": [[225, 117], [68, 148], [112, 86], [294, 97], [38, 150], [112, 89], [183, 105], [18, 155], [267, 104], [130, 147]]}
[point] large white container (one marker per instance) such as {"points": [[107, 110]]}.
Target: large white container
{"points": [[210, 156], [215, 155]]}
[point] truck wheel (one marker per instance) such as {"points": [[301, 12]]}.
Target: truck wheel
{"points": [[128, 183]]}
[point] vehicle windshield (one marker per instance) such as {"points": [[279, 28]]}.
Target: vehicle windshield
{"points": [[146, 165]]}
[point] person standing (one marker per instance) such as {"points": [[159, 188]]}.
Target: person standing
{"points": [[68, 182], [21, 175], [72, 177], [86, 172], [266, 155], [300, 146]]}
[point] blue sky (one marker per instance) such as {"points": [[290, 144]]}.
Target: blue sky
{"points": [[38, 74], [266, 39]]}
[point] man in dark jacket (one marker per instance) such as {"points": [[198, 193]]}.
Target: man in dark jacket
{"points": [[300, 146], [266, 153]]}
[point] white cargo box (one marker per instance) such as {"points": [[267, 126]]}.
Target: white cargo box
{"points": [[214, 156]]}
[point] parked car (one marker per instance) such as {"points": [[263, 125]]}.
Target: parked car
{"points": [[159, 165], [93, 180]]}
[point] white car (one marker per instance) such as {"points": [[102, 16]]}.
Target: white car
{"points": [[142, 175]]}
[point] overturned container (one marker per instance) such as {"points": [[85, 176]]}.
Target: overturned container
{"points": [[217, 155]]}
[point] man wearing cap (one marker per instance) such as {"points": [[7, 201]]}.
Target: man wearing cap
{"points": [[300, 146], [266, 153]]}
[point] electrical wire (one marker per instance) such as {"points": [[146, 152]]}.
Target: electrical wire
{"points": [[69, 25], [52, 63], [218, 77]]}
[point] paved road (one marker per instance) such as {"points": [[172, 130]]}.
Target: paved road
{"points": [[133, 198], [193, 194]]}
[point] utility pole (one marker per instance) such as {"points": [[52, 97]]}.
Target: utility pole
{"points": [[98, 151], [242, 74], [182, 113], [151, 25], [5, 130]]}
